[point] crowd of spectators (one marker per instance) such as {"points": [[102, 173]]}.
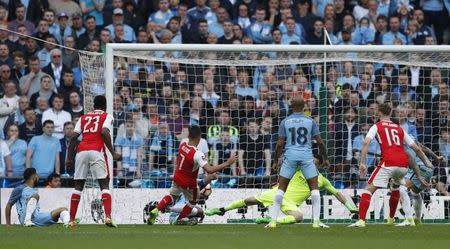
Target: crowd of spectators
{"points": [[238, 108]]}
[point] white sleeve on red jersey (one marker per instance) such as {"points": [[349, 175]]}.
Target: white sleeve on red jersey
{"points": [[372, 132], [407, 139], [78, 126], [109, 121], [200, 159]]}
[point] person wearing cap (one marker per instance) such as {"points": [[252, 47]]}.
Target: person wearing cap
{"points": [[346, 37], [93, 8], [77, 25], [69, 7], [63, 29], [118, 18]]}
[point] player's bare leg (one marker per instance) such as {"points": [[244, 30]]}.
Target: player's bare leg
{"points": [[61, 213], [364, 205], [107, 201], [74, 201], [278, 200]]}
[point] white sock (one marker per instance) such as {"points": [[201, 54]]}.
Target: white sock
{"points": [[31, 206], [417, 204], [64, 216], [194, 211], [277, 201], [406, 202], [315, 199]]}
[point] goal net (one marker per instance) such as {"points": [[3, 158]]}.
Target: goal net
{"points": [[238, 95]]}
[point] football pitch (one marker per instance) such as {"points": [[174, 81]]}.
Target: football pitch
{"points": [[224, 236]]}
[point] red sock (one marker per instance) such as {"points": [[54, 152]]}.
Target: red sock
{"points": [[364, 205], [393, 202], [74, 201], [106, 198], [185, 212], [164, 202]]}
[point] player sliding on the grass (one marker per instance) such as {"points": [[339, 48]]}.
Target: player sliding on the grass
{"points": [[26, 199], [297, 192], [185, 177], [95, 128], [394, 163], [416, 180], [295, 135]]}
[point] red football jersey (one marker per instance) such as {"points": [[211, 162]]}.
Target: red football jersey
{"points": [[90, 127], [391, 137], [189, 161]]}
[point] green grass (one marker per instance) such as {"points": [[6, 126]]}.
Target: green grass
{"points": [[225, 236]]}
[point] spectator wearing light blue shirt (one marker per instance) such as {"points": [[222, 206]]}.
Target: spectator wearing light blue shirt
{"points": [[129, 34], [18, 149], [363, 34], [5, 160], [348, 77], [44, 53], [130, 145], [298, 28], [394, 33], [374, 148], [197, 13], [215, 25], [93, 8], [162, 16], [318, 6], [243, 88], [260, 30], [43, 151]]}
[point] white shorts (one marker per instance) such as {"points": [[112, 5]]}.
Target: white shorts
{"points": [[92, 160], [190, 194], [381, 175]]}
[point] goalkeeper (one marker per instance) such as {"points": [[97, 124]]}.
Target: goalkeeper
{"points": [[297, 192]]}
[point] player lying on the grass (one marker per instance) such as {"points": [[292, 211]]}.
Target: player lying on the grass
{"points": [[95, 128], [394, 164], [416, 181], [185, 177], [26, 199], [297, 192]]}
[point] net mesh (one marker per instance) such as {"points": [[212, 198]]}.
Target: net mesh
{"points": [[239, 98]]}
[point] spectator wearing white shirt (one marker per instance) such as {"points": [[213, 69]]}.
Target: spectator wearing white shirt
{"points": [[57, 115], [9, 103]]}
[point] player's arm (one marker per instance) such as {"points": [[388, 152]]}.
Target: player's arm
{"points": [[140, 152], [119, 164], [278, 151], [365, 148], [28, 158], [430, 153], [9, 166], [322, 150], [241, 162], [410, 142], [57, 163], [200, 159], [268, 158], [8, 213], [415, 168], [106, 135]]}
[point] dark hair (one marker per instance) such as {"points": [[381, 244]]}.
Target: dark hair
{"points": [[100, 102], [385, 109], [68, 123], [29, 172], [48, 121], [90, 17], [52, 176], [194, 132], [67, 71], [59, 96], [33, 58], [18, 54]]}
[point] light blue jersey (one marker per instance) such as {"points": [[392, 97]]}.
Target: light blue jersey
{"points": [[425, 172], [20, 197], [298, 129]]}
